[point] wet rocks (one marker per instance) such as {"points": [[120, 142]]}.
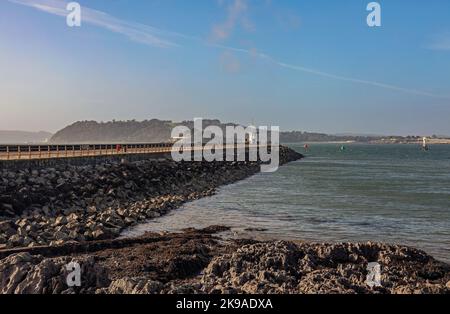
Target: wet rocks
{"points": [[258, 268], [82, 203], [26, 274], [14, 270], [133, 286], [198, 262], [284, 267], [7, 228]]}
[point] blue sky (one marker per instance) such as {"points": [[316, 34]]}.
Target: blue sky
{"points": [[303, 65]]}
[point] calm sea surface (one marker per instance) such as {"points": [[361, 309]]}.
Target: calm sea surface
{"points": [[390, 193]]}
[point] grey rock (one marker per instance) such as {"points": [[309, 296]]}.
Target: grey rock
{"points": [[134, 286], [284, 267], [26, 274], [112, 195]]}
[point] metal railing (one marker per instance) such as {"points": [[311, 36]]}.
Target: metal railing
{"points": [[19, 152]]}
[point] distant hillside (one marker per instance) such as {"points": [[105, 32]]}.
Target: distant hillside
{"points": [[114, 131], [23, 137], [148, 131], [298, 137], [151, 131]]}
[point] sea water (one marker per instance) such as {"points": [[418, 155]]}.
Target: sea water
{"points": [[397, 194]]}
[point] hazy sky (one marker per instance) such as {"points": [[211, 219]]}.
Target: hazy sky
{"points": [[305, 65]]}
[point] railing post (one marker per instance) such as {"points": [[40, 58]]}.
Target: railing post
{"points": [[48, 150], [7, 152], [29, 152], [18, 152]]}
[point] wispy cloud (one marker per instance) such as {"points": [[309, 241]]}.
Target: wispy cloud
{"points": [[303, 69], [235, 14], [156, 37], [440, 42], [134, 31]]}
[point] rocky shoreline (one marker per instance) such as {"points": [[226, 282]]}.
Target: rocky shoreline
{"points": [[54, 216], [51, 206], [199, 262]]}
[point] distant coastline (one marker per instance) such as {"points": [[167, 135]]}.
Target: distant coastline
{"points": [[156, 131], [431, 141], [439, 141]]}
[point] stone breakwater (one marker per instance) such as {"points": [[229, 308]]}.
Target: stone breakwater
{"points": [[67, 203], [197, 261], [54, 216]]}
